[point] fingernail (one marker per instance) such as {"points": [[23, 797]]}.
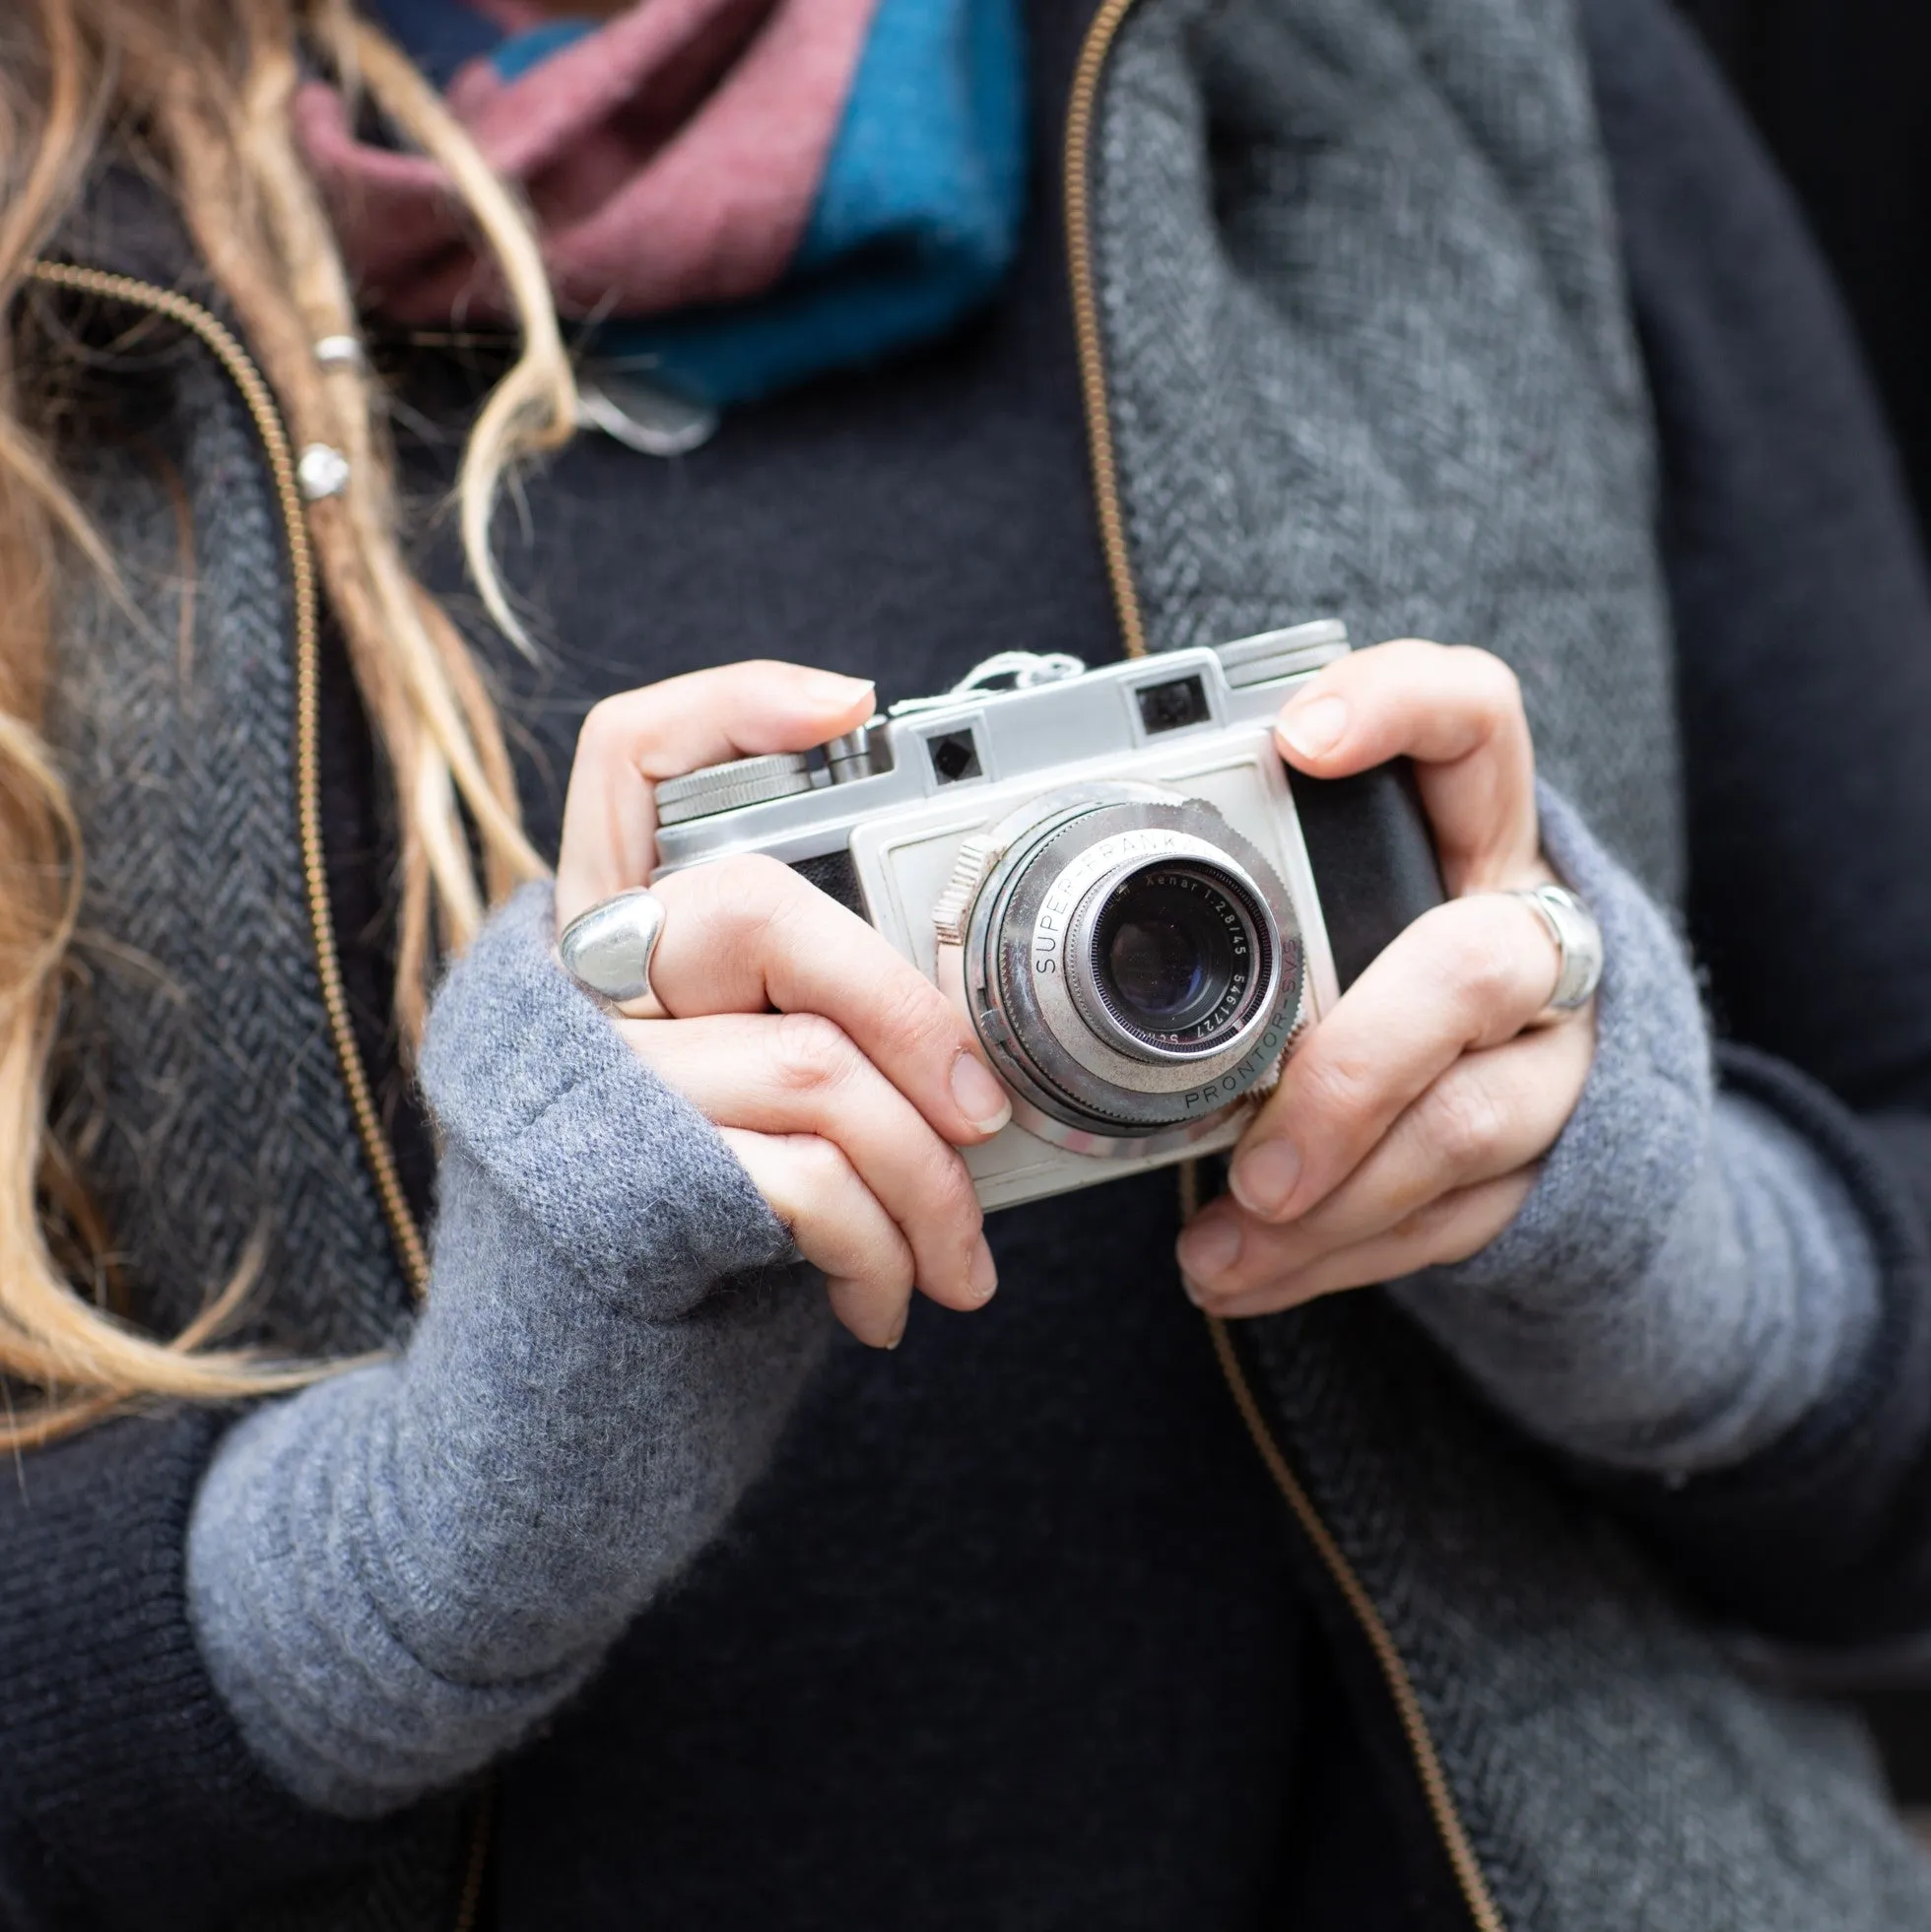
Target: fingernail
{"points": [[1192, 1291], [979, 1096], [830, 688], [1264, 1176], [984, 1276], [1316, 726], [1210, 1247], [898, 1334]]}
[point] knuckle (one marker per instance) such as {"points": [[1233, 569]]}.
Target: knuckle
{"points": [[1492, 684], [818, 1168], [952, 1196], [910, 1008], [1465, 1122], [749, 879], [605, 724], [810, 1053], [1455, 1226], [1334, 1086], [1478, 958], [1422, 1227], [741, 896], [885, 1261]]}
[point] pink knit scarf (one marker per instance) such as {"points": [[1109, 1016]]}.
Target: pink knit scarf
{"points": [[671, 158]]}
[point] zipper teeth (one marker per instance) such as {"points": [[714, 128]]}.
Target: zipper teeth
{"points": [[476, 1864], [407, 1237], [247, 379], [1086, 320], [1408, 1707], [1440, 1799]]}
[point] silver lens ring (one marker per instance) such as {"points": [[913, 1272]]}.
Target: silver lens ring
{"points": [[1064, 1052], [1172, 955], [1046, 969]]}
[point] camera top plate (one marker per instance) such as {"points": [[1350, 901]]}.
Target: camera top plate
{"points": [[943, 747]]}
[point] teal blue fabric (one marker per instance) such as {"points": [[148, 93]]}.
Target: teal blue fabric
{"points": [[516, 57], [915, 221]]}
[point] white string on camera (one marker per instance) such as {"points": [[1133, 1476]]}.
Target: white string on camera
{"points": [[1003, 671]]}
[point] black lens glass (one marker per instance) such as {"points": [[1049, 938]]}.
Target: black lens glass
{"points": [[1156, 961], [1174, 953]]}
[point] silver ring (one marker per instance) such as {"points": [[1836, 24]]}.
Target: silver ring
{"points": [[607, 949], [1578, 949]]}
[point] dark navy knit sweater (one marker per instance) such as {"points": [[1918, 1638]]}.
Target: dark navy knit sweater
{"points": [[1023, 1584]]}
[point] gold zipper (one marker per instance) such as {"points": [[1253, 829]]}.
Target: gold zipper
{"points": [[255, 393], [1093, 51], [1426, 1758], [1408, 1707], [221, 341], [476, 1859]]}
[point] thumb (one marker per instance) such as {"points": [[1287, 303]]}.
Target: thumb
{"points": [[662, 731]]}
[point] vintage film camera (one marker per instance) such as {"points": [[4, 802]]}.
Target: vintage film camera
{"points": [[1111, 871]]}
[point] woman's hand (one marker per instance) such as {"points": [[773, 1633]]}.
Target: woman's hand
{"points": [[837, 1072], [1407, 1127]]}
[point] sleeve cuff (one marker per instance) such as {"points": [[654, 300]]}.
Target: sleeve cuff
{"points": [[127, 1794], [1637, 1140], [619, 1177], [1692, 1278]]}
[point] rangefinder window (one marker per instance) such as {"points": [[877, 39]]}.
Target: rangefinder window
{"points": [[1169, 707]]}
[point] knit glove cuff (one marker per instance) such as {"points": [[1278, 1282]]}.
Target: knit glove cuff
{"points": [[1689, 1276], [619, 1176], [1635, 1144]]}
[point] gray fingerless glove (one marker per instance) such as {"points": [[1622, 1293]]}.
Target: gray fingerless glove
{"points": [[396, 1572], [1689, 1276]]}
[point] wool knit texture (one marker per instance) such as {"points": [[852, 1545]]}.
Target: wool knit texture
{"points": [[397, 1572], [1611, 1772], [197, 972], [1369, 357], [1689, 1276]]}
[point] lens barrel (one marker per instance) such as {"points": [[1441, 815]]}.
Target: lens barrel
{"points": [[1133, 965]]}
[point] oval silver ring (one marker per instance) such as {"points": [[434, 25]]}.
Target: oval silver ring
{"points": [[607, 949], [1578, 949]]}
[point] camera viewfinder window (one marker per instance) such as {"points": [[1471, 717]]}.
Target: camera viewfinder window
{"points": [[956, 756], [1168, 706]]}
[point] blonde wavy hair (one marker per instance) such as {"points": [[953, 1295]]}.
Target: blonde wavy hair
{"points": [[203, 90]]}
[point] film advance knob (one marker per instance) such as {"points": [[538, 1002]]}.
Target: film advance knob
{"points": [[726, 788]]}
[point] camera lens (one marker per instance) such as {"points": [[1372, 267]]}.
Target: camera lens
{"points": [[1175, 952], [1132, 961]]}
